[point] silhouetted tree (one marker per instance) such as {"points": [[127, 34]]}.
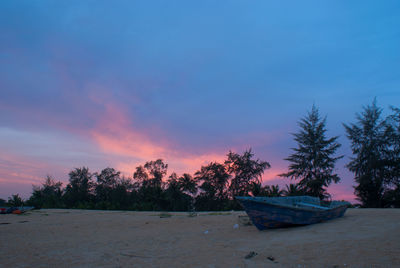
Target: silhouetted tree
{"points": [[273, 191], [149, 178], [15, 201], [123, 195], [140, 176], [293, 190], [157, 170], [392, 155], [312, 162], [256, 189], [107, 181], [369, 142], [265, 191], [49, 195], [214, 182], [78, 193], [178, 192], [244, 171], [187, 184]]}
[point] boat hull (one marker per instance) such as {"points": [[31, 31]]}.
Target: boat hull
{"points": [[8, 210], [266, 216]]}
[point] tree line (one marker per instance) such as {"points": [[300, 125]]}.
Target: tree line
{"points": [[375, 163]]}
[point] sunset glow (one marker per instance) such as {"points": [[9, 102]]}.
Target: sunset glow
{"points": [[118, 84]]}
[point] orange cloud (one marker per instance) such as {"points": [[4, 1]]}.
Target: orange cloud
{"points": [[115, 134]]}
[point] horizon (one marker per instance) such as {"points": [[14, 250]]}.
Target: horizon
{"points": [[101, 84]]}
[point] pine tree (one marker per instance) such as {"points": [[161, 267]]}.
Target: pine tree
{"points": [[312, 162], [369, 144]]}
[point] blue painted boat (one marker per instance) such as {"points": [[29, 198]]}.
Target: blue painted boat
{"points": [[277, 212]]}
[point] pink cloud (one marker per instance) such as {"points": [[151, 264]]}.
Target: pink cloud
{"points": [[115, 134], [119, 143], [18, 174]]}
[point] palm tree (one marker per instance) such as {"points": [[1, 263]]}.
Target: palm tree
{"points": [[293, 190], [244, 171], [187, 184], [274, 191], [214, 183], [15, 201], [256, 189]]}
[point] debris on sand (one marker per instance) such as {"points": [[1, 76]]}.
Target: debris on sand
{"points": [[271, 258], [192, 214], [251, 255], [244, 220]]}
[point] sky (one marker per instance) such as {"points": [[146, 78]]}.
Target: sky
{"points": [[118, 83]]}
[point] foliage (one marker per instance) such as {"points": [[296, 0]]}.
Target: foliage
{"points": [[244, 171], [273, 191], [293, 190], [78, 193], [312, 162], [376, 165], [49, 195], [368, 144], [15, 201], [392, 177], [256, 189], [149, 181], [106, 185], [376, 150], [176, 192], [375, 143], [214, 180]]}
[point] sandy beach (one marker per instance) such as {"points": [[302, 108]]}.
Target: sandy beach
{"points": [[84, 238]]}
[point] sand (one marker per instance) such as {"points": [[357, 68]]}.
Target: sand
{"points": [[84, 238]]}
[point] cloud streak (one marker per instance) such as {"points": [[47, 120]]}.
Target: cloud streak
{"points": [[119, 84]]}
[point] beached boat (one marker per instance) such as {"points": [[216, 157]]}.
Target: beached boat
{"points": [[14, 210], [276, 212]]}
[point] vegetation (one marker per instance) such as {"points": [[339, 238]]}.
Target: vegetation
{"points": [[213, 187], [312, 162], [15, 200], [245, 172], [375, 144], [375, 164]]}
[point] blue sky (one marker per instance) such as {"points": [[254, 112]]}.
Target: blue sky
{"points": [[117, 83]]}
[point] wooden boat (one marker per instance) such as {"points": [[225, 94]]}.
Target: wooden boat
{"points": [[276, 212], [14, 210]]}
